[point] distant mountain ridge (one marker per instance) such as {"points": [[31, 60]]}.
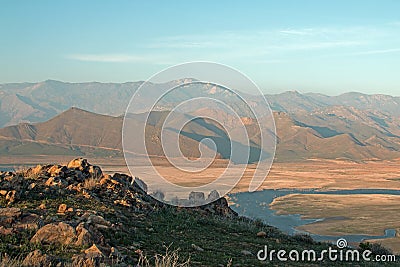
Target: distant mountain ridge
{"points": [[86, 119], [39, 102]]}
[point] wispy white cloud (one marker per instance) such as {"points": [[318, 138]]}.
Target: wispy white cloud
{"points": [[267, 40], [253, 45], [379, 51], [297, 32]]}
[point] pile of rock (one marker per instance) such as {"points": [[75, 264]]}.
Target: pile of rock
{"points": [[72, 226]]}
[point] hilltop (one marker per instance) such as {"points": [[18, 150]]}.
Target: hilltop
{"points": [[74, 214]]}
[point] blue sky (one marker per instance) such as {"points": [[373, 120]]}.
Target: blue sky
{"points": [[327, 47]]}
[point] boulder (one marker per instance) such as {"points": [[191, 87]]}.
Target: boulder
{"points": [[29, 221], [95, 171], [214, 195], [8, 216], [78, 164], [39, 169], [55, 233], [196, 196], [10, 212], [57, 170], [56, 181], [84, 238], [98, 221], [261, 234], [94, 252]]}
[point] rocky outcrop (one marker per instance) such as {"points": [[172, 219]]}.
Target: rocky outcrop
{"points": [[55, 233], [73, 225]]}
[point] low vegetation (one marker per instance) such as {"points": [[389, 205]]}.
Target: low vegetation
{"points": [[54, 217]]}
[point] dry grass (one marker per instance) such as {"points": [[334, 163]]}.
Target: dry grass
{"points": [[6, 261], [90, 183], [169, 259]]}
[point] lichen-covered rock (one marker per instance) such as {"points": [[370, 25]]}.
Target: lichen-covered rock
{"points": [[98, 221], [29, 221], [11, 196], [57, 170], [78, 164], [55, 233], [10, 212], [84, 238], [95, 171], [56, 181]]}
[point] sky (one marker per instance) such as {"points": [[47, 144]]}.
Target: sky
{"points": [[328, 47]]}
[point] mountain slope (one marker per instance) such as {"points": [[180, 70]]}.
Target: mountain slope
{"points": [[78, 132]]}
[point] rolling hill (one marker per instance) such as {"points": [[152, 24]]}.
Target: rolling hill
{"points": [[341, 133]]}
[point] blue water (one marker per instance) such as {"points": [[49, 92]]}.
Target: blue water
{"points": [[256, 205]]}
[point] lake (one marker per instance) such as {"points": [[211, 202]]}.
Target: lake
{"points": [[256, 205]]}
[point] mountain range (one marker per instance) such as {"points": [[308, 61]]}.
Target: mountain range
{"points": [[53, 117]]}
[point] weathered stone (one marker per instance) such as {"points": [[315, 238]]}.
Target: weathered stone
{"points": [[95, 171], [158, 195], [57, 170], [55, 233], [56, 181], [122, 202], [94, 252], [62, 208], [221, 207], [78, 164], [29, 221], [98, 221], [11, 196], [84, 238], [10, 212], [214, 195], [261, 234], [196, 247], [39, 169], [197, 197]]}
